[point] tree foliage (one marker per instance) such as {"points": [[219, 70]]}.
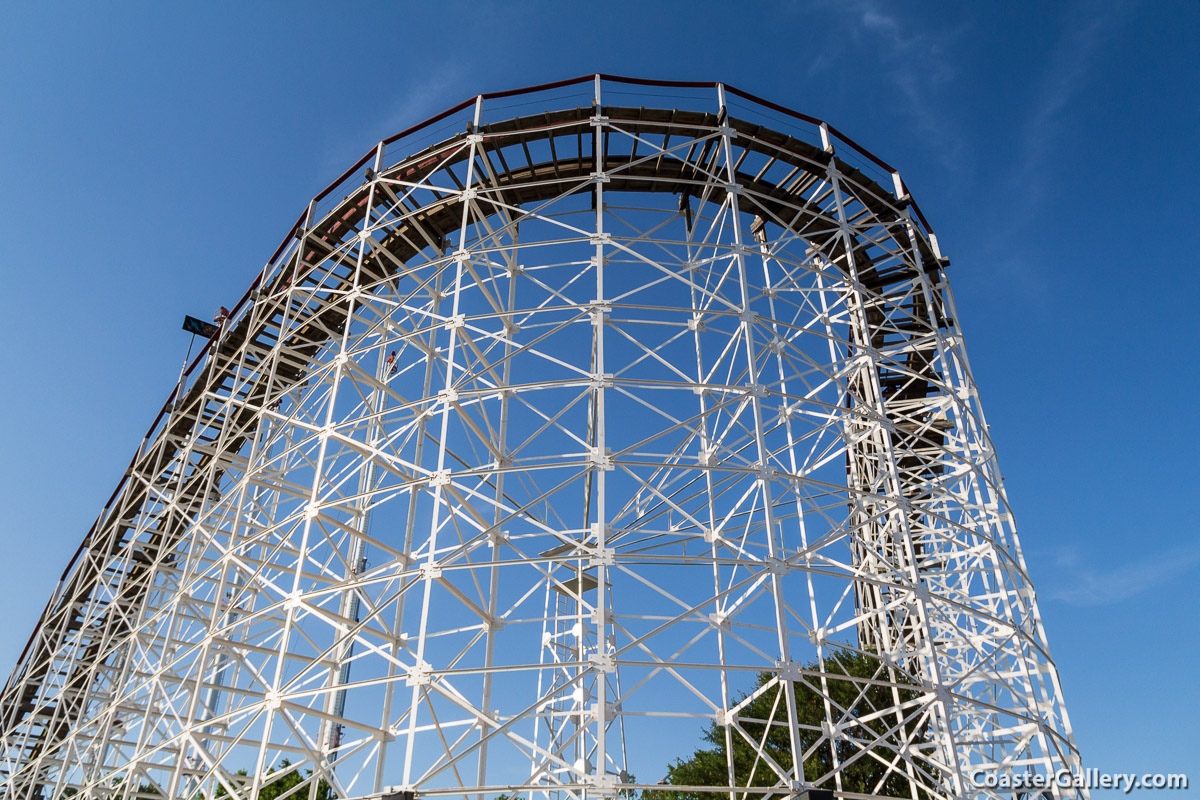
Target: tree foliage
{"points": [[860, 700], [283, 779]]}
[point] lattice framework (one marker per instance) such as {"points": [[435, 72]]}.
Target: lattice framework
{"points": [[532, 451]]}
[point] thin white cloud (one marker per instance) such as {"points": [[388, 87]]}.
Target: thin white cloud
{"points": [[914, 61], [1083, 585], [1085, 30], [1063, 78], [822, 62], [875, 19], [416, 99]]}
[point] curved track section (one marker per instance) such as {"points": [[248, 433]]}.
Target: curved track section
{"points": [[555, 440]]}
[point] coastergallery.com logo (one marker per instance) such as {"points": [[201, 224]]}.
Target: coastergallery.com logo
{"points": [[1088, 779]]}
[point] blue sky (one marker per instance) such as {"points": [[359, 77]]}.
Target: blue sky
{"points": [[153, 155]]}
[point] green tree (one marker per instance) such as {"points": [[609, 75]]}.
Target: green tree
{"points": [[866, 775], [283, 779]]}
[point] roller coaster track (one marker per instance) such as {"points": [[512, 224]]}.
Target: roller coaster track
{"points": [[294, 310]]}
